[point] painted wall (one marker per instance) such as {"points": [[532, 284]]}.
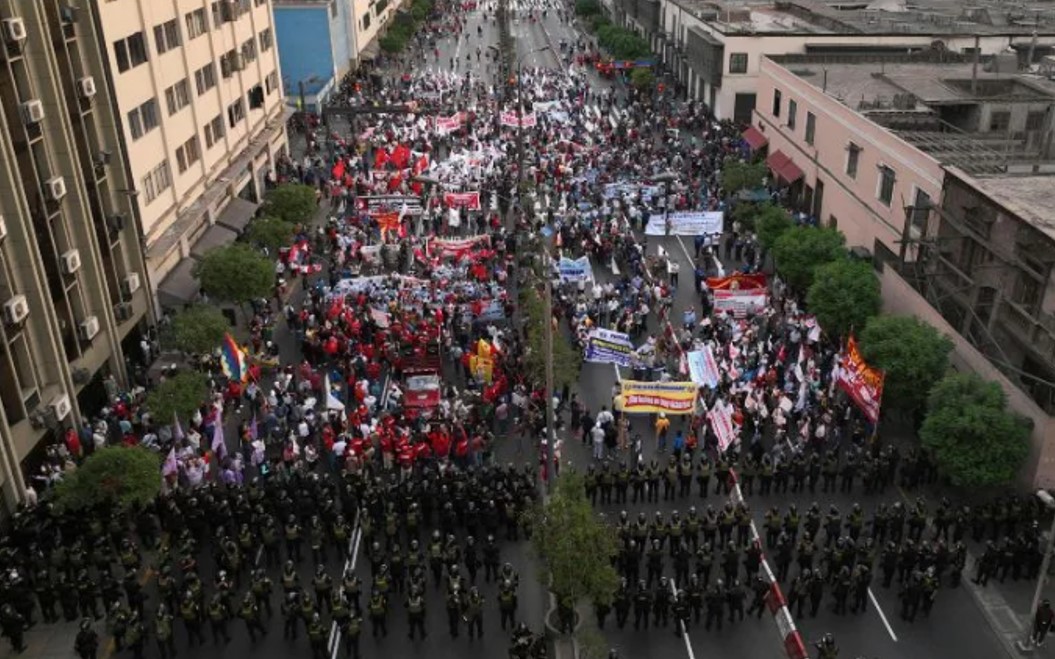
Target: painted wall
{"points": [[854, 201], [305, 47]]}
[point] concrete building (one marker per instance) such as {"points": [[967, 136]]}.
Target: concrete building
{"points": [[196, 87], [73, 295], [320, 41], [942, 168], [716, 48]]}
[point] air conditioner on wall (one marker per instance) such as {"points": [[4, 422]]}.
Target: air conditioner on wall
{"points": [[32, 111], [86, 87], [122, 311], [14, 29], [88, 328], [71, 261], [237, 62], [55, 188], [60, 407], [130, 284], [16, 310]]}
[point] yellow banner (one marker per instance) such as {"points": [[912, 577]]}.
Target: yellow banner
{"points": [[652, 397]]}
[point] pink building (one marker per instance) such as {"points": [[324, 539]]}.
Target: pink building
{"points": [[940, 169]]}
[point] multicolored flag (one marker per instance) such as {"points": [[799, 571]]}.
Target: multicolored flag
{"points": [[232, 359]]}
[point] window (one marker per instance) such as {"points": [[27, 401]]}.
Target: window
{"points": [[177, 96], [366, 21], [1035, 120], [811, 127], [259, 2], [333, 7], [256, 97], [887, 177], [205, 78], [143, 119], [266, 40], [156, 181], [793, 109], [235, 113], [214, 131], [738, 63], [249, 51], [919, 213], [130, 52], [166, 36], [999, 121], [228, 63], [197, 24], [853, 155], [217, 14], [776, 102], [271, 82], [187, 154]]}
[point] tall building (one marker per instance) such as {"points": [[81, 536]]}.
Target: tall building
{"points": [[72, 293], [197, 89]]}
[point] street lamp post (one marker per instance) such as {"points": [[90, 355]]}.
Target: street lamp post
{"points": [[1026, 644]]}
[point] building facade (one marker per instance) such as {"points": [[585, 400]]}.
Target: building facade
{"points": [[942, 171], [73, 295], [197, 90]]}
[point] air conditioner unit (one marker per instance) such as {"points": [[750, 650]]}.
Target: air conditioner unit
{"points": [[32, 111], [130, 284], [122, 311], [115, 222], [55, 188], [86, 87], [60, 407], [230, 10], [81, 375], [88, 328], [71, 261], [16, 310], [237, 62], [3, 228], [14, 29]]}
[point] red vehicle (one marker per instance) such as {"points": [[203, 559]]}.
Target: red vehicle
{"points": [[422, 379]]}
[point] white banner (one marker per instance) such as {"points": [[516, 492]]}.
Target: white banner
{"points": [[575, 269], [721, 421], [510, 118], [703, 369], [685, 223], [607, 347], [740, 303]]}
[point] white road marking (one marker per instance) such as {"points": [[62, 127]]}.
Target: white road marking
{"points": [[334, 643], [684, 631], [882, 616]]}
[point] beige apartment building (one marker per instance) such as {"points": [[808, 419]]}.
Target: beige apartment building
{"points": [[73, 299], [198, 90]]}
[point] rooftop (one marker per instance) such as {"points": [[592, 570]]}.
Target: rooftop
{"points": [[1028, 197], [935, 101], [937, 17]]}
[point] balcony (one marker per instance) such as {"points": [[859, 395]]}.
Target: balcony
{"points": [[706, 55], [647, 12]]}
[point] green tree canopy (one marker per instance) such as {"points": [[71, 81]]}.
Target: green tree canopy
{"points": [[291, 202], [844, 295], [575, 545], [236, 273], [976, 441], [913, 354], [178, 396], [587, 8], [122, 476], [771, 222], [270, 232], [739, 175], [642, 79], [801, 250], [199, 329], [566, 360]]}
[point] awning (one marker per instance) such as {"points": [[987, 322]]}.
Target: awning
{"points": [[776, 160], [790, 172], [179, 287], [237, 215], [215, 236], [754, 138]]}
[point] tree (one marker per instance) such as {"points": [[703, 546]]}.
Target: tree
{"points": [[177, 397], [746, 214], [199, 329], [587, 8], [771, 222], [236, 273], [270, 232], [801, 250], [566, 360], [122, 476], [913, 355], [642, 79], [844, 295], [575, 545], [976, 441], [739, 175], [291, 202]]}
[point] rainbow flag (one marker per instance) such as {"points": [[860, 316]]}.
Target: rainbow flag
{"points": [[232, 359]]}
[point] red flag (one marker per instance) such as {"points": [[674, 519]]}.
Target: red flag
{"points": [[380, 158], [421, 164], [395, 181], [417, 187], [338, 170], [401, 156]]}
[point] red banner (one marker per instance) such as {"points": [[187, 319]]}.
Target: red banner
{"points": [[861, 382], [443, 247], [737, 281], [467, 200]]}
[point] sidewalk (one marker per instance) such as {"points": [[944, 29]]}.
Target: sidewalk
{"points": [[52, 641]]}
